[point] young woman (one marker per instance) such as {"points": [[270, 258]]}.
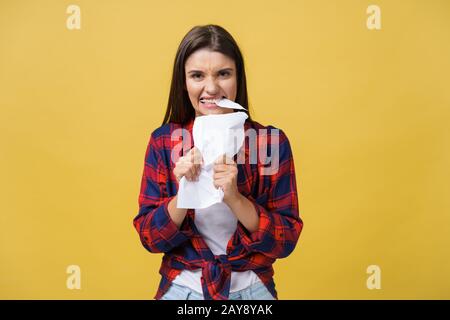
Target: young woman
{"points": [[225, 251]]}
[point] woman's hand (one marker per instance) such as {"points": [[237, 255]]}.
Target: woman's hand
{"points": [[225, 176], [189, 166]]}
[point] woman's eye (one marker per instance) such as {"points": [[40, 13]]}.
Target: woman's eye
{"points": [[224, 73], [196, 75]]}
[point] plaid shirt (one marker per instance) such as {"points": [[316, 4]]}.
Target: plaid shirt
{"points": [[274, 197]]}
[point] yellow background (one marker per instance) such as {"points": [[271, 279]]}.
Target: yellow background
{"points": [[366, 112]]}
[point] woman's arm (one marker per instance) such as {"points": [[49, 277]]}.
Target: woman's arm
{"points": [[245, 212], [159, 222], [279, 225], [176, 214], [225, 177]]}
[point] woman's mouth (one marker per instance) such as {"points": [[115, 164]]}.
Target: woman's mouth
{"points": [[209, 103]]}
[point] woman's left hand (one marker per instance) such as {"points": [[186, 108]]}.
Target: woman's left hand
{"points": [[225, 176]]}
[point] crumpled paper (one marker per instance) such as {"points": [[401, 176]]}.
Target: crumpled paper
{"points": [[214, 135]]}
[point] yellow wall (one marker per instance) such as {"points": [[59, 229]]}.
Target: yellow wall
{"points": [[366, 111]]}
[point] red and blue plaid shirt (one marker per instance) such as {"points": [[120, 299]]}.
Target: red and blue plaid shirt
{"points": [[274, 197]]}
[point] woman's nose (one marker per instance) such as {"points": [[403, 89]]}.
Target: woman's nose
{"points": [[211, 87]]}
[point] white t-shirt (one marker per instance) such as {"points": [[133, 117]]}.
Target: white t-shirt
{"points": [[216, 224]]}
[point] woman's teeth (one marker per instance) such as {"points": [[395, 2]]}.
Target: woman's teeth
{"points": [[208, 101]]}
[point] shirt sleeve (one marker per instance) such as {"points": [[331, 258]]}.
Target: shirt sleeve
{"points": [[157, 231], [280, 224]]}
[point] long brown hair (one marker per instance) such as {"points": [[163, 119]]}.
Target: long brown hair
{"points": [[212, 37]]}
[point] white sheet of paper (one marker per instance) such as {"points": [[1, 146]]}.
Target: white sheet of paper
{"points": [[225, 103], [213, 135]]}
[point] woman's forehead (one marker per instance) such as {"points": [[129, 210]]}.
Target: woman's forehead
{"points": [[204, 59]]}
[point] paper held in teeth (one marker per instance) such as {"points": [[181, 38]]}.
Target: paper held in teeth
{"points": [[226, 103]]}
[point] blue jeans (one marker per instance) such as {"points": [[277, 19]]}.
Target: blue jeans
{"points": [[257, 291]]}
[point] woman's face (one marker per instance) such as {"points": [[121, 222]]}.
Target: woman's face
{"points": [[210, 75]]}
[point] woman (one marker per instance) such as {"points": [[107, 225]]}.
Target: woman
{"points": [[225, 251]]}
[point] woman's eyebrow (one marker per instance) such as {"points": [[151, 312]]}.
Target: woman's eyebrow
{"points": [[221, 70]]}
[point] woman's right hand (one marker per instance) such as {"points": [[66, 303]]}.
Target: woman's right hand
{"points": [[189, 166]]}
